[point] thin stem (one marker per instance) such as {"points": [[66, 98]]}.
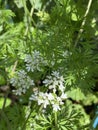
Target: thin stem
{"points": [[3, 116], [30, 20], [27, 118], [56, 120], [23, 127], [14, 67], [27, 13], [83, 22], [5, 99]]}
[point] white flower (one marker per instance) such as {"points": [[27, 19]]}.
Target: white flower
{"points": [[34, 61], [22, 82], [59, 100], [63, 96], [55, 82], [47, 81], [13, 81], [30, 67], [52, 86], [56, 107], [50, 96], [46, 102], [42, 99], [55, 74], [28, 59], [61, 86], [61, 78], [18, 91], [33, 97]]}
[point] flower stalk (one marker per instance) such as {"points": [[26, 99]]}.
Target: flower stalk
{"points": [[56, 120]]}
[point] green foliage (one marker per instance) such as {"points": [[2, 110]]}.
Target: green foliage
{"points": [[8, 102], [63, 35], [69, 118], [16, 117]]}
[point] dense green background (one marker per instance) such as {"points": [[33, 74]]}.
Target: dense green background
{"points": [[53, 27]]}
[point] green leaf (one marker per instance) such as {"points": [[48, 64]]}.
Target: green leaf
{"points": [[8, 102], [76, 94], [74, 17], [19, 3], [2, 80], [7, 13], [36, 4], [63, 128]]}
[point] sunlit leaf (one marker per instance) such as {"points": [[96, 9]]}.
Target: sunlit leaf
{"points": [[8, 102]]}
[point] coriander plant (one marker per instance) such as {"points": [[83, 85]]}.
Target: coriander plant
{"points": [[48, 64]]}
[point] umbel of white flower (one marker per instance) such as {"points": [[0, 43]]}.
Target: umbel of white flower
{"points": [[55, 83], [34, 61], [22, 82]]}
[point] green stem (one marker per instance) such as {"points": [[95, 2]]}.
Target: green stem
{"points": [[24, 125], [83, 22], [4, 117], [56, 120]]}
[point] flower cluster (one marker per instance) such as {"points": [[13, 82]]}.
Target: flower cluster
{"points": [[49, 98], [54, 83], [34, 61], [22, 82]]}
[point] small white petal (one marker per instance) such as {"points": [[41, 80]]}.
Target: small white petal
{"points": [[56, 107], [50, 97], [64, 96]]}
